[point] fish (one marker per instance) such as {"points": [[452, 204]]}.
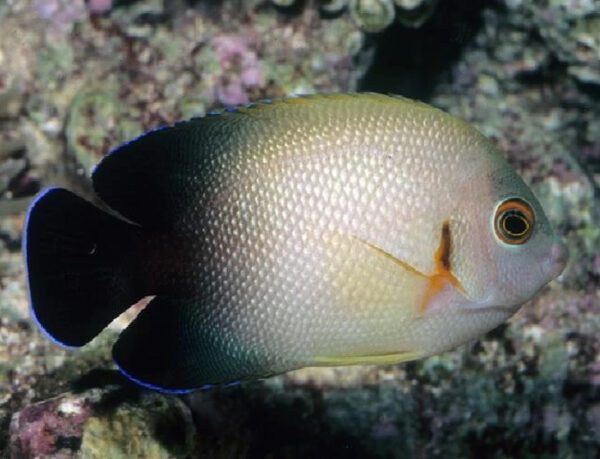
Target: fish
{"points": [[321, 230]]}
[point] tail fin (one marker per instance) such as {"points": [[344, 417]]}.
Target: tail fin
{"points": [[77, 264]]}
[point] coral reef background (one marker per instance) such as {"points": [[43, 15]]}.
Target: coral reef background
{"points": [[77, 78]]}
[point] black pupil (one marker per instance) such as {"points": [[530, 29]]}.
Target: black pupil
{"points": [[515, 223]]}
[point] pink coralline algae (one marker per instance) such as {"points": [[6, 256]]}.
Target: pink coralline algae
{"points": [[240, 69], [62, 14], [48, 428], [99, 6], [100, 422]]}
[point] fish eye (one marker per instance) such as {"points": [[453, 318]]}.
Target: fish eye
{"points": [[514, 221]]}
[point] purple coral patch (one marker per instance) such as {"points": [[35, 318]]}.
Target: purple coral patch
{"points": [[48, 428]]}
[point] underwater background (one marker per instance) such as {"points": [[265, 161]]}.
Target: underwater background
{"points": [[78, 78]]}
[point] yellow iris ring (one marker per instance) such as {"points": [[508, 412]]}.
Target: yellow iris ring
{"points": [[514, 208]]}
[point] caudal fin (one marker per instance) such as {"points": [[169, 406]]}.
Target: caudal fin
{"points": [[78, 268]]}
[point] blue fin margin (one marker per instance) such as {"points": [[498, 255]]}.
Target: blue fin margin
{"points": [[172, 391], [32, 312]]}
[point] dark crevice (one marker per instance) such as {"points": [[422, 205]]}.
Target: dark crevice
{"points": [[411, 62]]}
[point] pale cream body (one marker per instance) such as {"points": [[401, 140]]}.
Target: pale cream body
{"points": [[325, 218]]}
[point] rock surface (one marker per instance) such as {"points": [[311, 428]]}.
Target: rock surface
{"points": [[111, 422], [74, 83]]}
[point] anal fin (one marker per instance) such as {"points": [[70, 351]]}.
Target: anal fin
{"points": [[172, 346]]}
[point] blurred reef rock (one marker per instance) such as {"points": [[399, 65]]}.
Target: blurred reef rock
{"points": [[109, 422], [112, 73], [79, 77], [570, 28]]}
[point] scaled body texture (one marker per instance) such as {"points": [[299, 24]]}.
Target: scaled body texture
{"points": [[322, 230]]}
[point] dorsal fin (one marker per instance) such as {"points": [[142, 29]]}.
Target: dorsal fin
{"points": [[153, 179]]}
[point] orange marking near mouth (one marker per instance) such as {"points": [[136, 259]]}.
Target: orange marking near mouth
{"points": [[442, 273]]}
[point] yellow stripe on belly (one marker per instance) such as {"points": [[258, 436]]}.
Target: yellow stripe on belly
{"points": [[385, 359]]}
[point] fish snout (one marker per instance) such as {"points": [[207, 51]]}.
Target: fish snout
{"points": [[559, 255]]}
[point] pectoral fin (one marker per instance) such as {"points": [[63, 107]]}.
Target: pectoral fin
{"points": [[369, 282], [436, 281]]}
